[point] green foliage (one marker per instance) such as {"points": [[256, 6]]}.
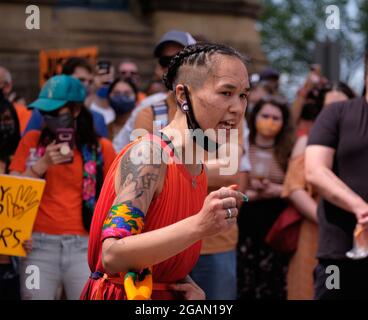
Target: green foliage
{"points": [[290, 29]]}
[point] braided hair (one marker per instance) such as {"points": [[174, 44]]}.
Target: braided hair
{"points": [[197, 55]]}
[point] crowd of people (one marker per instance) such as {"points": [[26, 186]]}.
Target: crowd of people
{"points": [[184, 230]]}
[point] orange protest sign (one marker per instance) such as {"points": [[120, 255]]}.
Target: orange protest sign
{"points": [[51, 61], [20, 198]]}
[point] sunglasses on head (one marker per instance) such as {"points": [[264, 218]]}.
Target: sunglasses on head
{"points": [[164, 61]]}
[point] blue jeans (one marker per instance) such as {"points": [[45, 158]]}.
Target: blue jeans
{"points": [[216, 275]]}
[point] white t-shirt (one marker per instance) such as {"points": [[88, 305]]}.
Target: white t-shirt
{"points": [[123, 137], [108, 113]]}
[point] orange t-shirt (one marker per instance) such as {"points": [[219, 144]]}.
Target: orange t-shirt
{"points": [[23, 115], [60, 210]]}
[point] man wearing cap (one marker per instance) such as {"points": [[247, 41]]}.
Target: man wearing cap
{"points": [[74, 170], [159, 107]]}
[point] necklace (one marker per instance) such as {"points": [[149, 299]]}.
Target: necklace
{"points": [[194, 182]]}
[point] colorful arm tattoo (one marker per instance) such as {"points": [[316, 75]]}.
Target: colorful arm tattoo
{"points": [[123, 220]]}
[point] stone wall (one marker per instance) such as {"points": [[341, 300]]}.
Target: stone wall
{"points": [[121, 34]]}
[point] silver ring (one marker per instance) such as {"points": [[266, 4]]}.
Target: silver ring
{"points": [[229, 215]]}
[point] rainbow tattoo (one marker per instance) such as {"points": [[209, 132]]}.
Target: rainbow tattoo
{"points": [[123, 220]]}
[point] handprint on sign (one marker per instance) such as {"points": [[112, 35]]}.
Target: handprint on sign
{"points": [[23, 202]]}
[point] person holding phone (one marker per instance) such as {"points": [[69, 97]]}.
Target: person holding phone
{"points": [[82, 70], [99, 102], [73, 160]]}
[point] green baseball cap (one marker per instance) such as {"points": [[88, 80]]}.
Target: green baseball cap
{"points": [[57, 91]]}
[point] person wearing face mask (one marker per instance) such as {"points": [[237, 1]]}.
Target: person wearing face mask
{"points": [[74, 173], [128, 70], [158, 107], [98, 101], [80, 69], [122, 95], [261, 269], [259, 90]]}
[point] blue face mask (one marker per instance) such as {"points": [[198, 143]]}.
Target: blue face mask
{"points": [[102, 92], [122, 103]]}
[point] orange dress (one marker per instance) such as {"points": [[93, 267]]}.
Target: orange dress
{"points": [[182, 196], [303, 262]]}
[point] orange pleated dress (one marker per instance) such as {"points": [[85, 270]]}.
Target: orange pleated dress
{"points": [[182, 196]]}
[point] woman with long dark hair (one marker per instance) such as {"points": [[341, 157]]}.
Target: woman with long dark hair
{"points": [[73, 160], [9, 132], [262, 270], [122, 97], [9, 139]]}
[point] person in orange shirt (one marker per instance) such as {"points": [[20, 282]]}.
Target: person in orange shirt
{"points": [[6, 86], [74, 172]]}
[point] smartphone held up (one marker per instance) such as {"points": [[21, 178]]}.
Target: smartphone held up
{"points": [[66, 137]]}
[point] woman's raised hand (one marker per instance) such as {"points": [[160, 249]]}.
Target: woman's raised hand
{"points": [[219, 211]]}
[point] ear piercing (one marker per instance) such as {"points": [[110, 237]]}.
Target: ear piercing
{"points": [[185, 107]]}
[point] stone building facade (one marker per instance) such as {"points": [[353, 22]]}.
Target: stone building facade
{"points": [[120, 29]]}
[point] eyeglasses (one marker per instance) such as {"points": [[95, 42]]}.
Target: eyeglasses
{"points": [[164, 61]]}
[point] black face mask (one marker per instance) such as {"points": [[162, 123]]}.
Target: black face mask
{"points": [[65, 120], [198, 135]]}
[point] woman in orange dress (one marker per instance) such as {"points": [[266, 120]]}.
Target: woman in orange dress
{"points": [[152, 215]]}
